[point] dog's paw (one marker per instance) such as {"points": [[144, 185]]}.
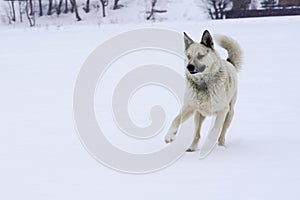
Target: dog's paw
{"points": [[221, 143], [170, 137], [192, 148]]}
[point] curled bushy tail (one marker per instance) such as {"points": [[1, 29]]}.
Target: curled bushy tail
{"points": [[233, 48]]}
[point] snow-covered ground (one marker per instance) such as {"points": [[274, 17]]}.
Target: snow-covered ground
{"points": [[41, 154]]}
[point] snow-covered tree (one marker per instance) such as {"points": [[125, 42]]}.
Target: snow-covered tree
{"points": [[217, 8], [104, 3], [154, 10]]}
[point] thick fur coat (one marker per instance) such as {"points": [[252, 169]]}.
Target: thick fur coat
{"points": [[211, 85]]}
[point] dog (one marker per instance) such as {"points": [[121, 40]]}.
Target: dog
{"points": [[211, 86]]}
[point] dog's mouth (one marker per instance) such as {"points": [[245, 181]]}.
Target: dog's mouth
{"points": [[194, 70]]}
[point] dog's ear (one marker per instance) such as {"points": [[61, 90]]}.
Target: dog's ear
{"points": [[207, 40], [187, 41]]}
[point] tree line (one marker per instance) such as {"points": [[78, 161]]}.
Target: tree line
{"points": [[31, 8], [17, 9]]}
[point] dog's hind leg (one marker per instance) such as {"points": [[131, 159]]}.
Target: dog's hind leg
{"points": [[228, 119], [198, 118], [185, 113]]}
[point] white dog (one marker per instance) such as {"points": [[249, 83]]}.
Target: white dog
{"points": [[211, 85]]}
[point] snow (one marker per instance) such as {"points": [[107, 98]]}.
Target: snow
{"points": [[41, 154]]}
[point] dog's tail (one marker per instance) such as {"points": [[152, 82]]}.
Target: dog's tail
{"points": [[233, 48]]}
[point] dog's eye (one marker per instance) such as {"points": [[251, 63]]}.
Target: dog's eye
{"points": [[188, 56], [200, 56]]}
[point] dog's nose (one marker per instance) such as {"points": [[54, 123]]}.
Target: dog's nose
{"points": [[191, 68]]}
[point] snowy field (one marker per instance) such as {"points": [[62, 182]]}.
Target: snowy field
{"points": [[41, 154]]}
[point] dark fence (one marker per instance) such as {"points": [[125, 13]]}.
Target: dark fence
{"points": [[261, 13]]}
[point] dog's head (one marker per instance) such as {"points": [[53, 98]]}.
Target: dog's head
{"points": [[201, 57]]}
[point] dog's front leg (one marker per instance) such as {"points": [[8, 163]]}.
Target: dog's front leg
{"points": [[184, 114], [214, 134], [198, 123]]}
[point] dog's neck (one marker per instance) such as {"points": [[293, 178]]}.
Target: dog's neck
{"points": [[199, 86], [203, 84]]}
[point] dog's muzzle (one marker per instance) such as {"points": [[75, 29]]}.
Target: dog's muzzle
{"points": [[195, 69]]}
